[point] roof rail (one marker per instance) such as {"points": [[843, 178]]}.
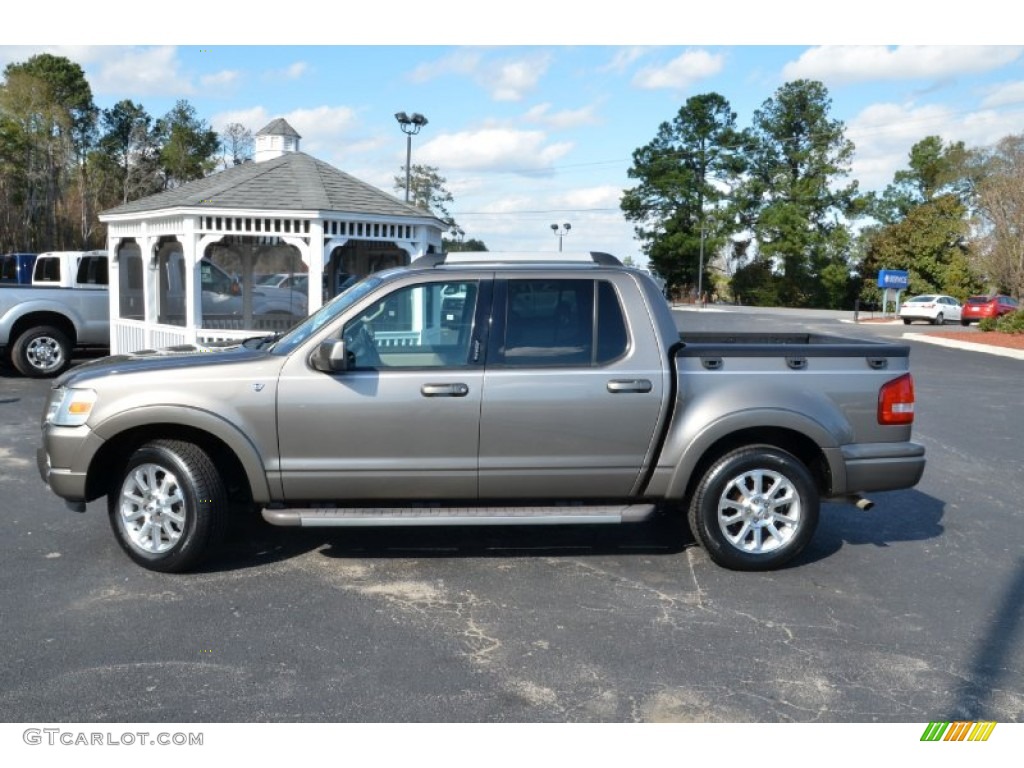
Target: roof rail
{"points": [[516, 257]]}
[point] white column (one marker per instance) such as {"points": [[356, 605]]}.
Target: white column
{"points": [[317, 259]]}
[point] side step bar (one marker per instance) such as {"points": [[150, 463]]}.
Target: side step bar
{"points": [[340, 517]]}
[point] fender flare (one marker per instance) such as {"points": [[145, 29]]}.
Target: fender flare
{"points": [[202, 420]]}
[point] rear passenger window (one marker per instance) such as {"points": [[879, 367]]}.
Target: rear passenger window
{"points": [[562, 323], [612, 338], [47, 271]]}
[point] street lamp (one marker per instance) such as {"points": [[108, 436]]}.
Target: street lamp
{"points": [[457, 233], [560, 233], [410, 127]]}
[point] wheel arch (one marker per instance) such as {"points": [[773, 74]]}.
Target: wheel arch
{"points": [[696, 462], [40, 318], [237, 461]]}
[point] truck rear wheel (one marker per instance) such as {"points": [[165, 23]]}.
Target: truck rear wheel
{"points": [[169, 507], [40, 352], [755, 509]]}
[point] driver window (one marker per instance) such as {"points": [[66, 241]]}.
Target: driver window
{"points": [[429, 325]]}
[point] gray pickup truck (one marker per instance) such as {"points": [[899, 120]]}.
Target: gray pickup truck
{"points": [[66, 306], [480, 389]]}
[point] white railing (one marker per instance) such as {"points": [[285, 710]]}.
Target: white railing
{"points": [[397, 339], [132, 335]]}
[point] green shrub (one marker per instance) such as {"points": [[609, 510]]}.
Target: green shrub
{"points": [[987, 324], [1011, 323]]}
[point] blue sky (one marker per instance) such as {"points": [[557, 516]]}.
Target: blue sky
{"points": [[534, 123]]}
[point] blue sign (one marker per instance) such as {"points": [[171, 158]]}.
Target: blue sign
{"points": [[893, 278]]}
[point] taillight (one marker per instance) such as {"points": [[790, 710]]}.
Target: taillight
{"points": [[896, 401]]}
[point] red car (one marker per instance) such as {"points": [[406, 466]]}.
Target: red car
{"points": [[978, 307]]}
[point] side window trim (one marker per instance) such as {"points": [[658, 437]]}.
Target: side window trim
{"points": [[498, 327], [478, 338]]}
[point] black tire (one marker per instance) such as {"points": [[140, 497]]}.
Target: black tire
{"points": [[741, 537], [176, 485], [906, 321], [41, 352], [965, 323], [940, 319]]}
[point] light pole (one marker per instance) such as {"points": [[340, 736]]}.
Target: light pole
{"points": [[457, 234], [410, 127], [561, 233]]}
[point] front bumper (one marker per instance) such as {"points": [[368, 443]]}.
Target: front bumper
{"points": [[882, 466], [64, 457]]}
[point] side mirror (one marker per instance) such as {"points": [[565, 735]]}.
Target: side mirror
{"points": [[331, 356]]}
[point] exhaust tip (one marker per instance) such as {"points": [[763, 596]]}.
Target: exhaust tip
{"points": [[864, 504]]}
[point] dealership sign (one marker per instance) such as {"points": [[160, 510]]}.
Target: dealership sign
{"points": [[893, 278]]}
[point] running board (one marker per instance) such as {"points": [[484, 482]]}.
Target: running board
{"points": [[339, 517]]}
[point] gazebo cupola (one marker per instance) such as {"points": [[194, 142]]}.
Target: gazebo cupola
{"points": [[275, 139]]}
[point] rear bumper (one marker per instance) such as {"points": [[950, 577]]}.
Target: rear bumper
{"points": [[882, 466]]}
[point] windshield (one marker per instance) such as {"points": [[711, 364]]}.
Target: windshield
{"points": [[324, 315]]}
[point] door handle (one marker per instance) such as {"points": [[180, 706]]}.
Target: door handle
{"points": [[444, 390], [616, 386]]}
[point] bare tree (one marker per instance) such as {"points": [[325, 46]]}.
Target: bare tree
{"points": [[1001, 205], [237, 144]]}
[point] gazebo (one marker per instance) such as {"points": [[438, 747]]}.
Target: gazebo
{"points": [[251, 249]]}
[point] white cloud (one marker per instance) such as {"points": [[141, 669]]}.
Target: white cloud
{"points": [[603, 196], [861, 63], [885, 133], [223, 79], [681, 72], [1004, 94], [462, 62], [624, 58], [141, 72], [512, 80], [563, 119], [127, 72], [505, 80], [493, 149]]}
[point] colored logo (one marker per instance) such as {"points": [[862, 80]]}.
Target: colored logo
{"points": [[958, 731]]}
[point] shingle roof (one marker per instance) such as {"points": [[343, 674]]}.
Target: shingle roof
{"points": [[294, 181], [278, 127]]}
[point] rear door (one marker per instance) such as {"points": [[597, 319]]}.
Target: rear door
{"points": [[573, 392]]}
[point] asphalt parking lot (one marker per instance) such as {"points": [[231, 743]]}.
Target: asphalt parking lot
{"points": [[913, 611]]}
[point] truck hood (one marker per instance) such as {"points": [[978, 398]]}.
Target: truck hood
{"points": [[165, 361]]}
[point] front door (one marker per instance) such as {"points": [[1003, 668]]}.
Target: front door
{"points": [[403, 421]]}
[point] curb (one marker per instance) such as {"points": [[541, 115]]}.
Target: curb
{"points": [[1017, 354]]}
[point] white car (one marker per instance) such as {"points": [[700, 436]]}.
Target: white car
{"points": [[935, 308]]}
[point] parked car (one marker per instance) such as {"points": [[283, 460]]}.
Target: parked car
{"points": [[979, 307], [934, 308], [66, 306], [293, 281]]}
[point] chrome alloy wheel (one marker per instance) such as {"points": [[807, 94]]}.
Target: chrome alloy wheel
{"points": [[45, 354], [759, 511], [152, 508]]}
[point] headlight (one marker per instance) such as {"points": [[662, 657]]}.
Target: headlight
{"points": [[70, 407]]}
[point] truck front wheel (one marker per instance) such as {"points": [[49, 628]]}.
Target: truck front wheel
{"points": [[755, 509], [168, 508], [40, 352]]}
